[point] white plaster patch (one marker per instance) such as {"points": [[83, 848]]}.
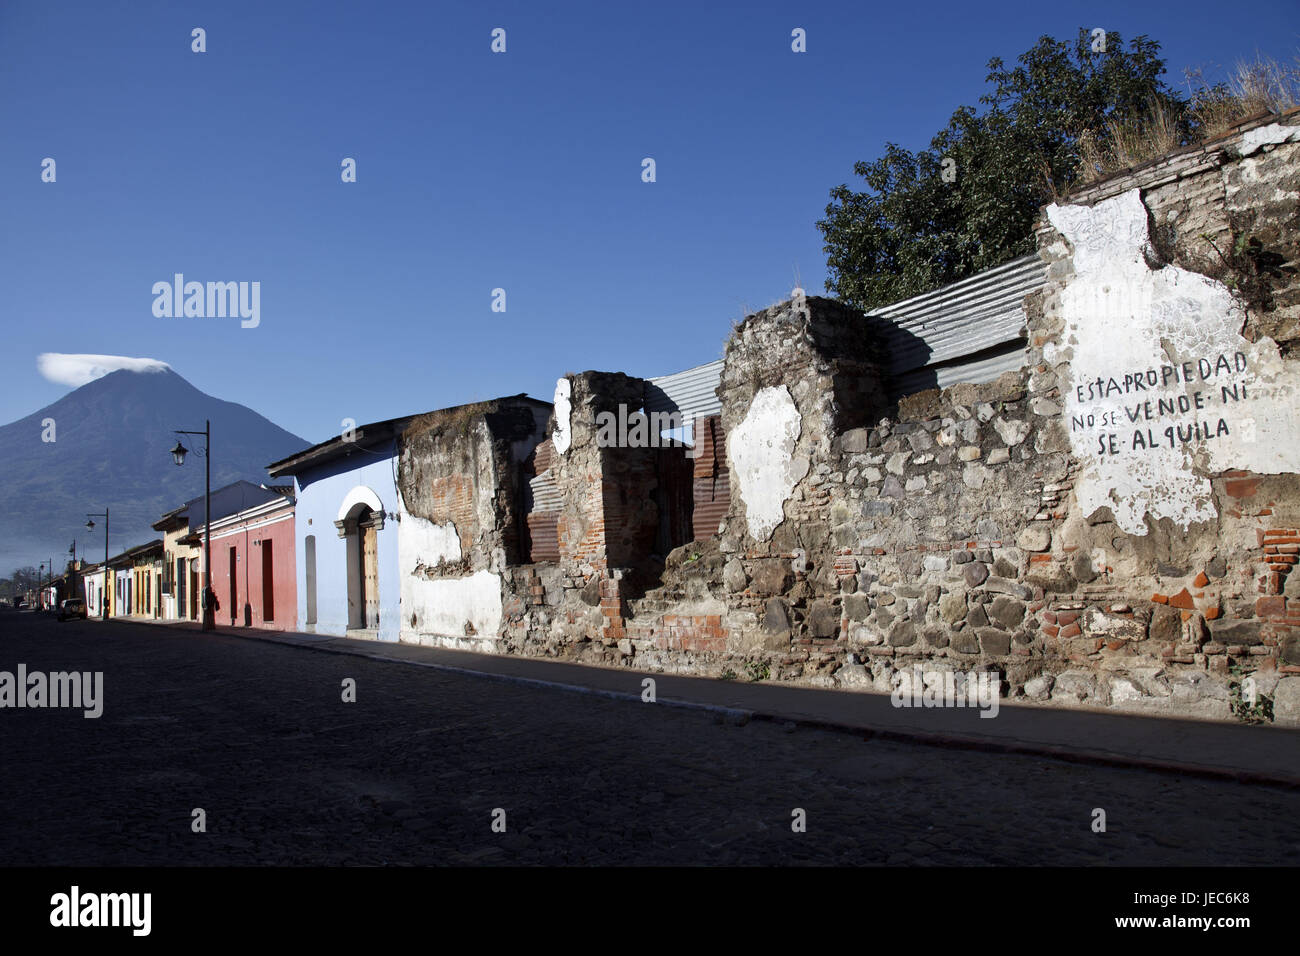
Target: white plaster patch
{"points": [[421, 541], [1162, 390], [444, 606], [562, 436], [1268, 135], [761, 449]]}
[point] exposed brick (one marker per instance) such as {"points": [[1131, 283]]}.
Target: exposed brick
{"points": [[1182, 600], [1160, 598], [1241, 487], [1270, 607]]}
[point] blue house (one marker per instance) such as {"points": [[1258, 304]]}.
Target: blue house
{"points": [[346, 533]]}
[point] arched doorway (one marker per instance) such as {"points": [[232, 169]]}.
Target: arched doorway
{"points": [[360, 521]]}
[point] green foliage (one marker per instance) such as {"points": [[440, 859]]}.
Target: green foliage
{"points": [[911, 231], [728, 674], [758, 670], [1257, 713]]}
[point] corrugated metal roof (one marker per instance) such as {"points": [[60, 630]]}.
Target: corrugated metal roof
{"points": [[969, 331], [985, 368], [929, 335], [692, 393]]}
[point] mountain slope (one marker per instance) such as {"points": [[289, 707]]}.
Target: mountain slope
{"points": [[113, 437]]}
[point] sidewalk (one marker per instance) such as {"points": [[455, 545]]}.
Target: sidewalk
{"points": [[1247, 754]]}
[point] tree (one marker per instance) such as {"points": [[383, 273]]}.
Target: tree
{"points": [[20, 582], [970, 201]]}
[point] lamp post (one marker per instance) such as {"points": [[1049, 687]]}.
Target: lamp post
{"points": [[178, 455], [40, 588], [103, 597]]}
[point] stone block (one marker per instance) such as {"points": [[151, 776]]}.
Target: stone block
{"points": [[1039, 688], [854, 442], [1011, 431], [733, 575], [952, 606], [1241, 633], [1036, 537], [772, 576], [1007, 612], [857, 607], [903, 634], [1286, 702], [994, 642], [823, 619]]}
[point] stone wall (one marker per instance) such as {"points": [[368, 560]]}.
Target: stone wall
{"points": [[1115, 525]]}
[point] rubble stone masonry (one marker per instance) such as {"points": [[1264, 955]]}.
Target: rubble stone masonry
{"points": [[1114, 525]]}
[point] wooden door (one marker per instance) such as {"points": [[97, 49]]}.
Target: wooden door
{"points": [[268, 580], [370, 574]]}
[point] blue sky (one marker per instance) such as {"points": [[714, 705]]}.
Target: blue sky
{"points": [[474, 171]]}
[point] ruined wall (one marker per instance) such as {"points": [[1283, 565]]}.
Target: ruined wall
{"points": [[1114, 525], [459, 476], [1169, 330]]}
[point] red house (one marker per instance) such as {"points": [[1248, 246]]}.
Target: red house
{"points": [[253, 572]]}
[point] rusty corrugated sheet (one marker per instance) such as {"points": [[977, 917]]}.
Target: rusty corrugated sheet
{"points": [[712, 481], [542, 505], [544, 537], [712, 499]]}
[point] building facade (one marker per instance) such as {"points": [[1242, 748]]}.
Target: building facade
{"points": [[345, 555], [253, 565]]}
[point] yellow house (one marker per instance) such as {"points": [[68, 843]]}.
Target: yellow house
{"points": [[181, 562]]}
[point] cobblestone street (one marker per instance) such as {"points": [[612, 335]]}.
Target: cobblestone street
{"points": [[257, 735]]}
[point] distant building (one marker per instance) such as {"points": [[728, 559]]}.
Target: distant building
{"points": [[253, 567], [181, 564]]}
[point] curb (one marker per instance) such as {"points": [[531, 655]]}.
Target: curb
{"points": [[740, 716]]}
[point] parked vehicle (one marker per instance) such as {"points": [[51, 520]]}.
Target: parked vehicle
{"points": [[72, 607]]}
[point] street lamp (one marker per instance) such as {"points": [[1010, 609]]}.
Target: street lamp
{"points": [[90, 525], [178, 455]]}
